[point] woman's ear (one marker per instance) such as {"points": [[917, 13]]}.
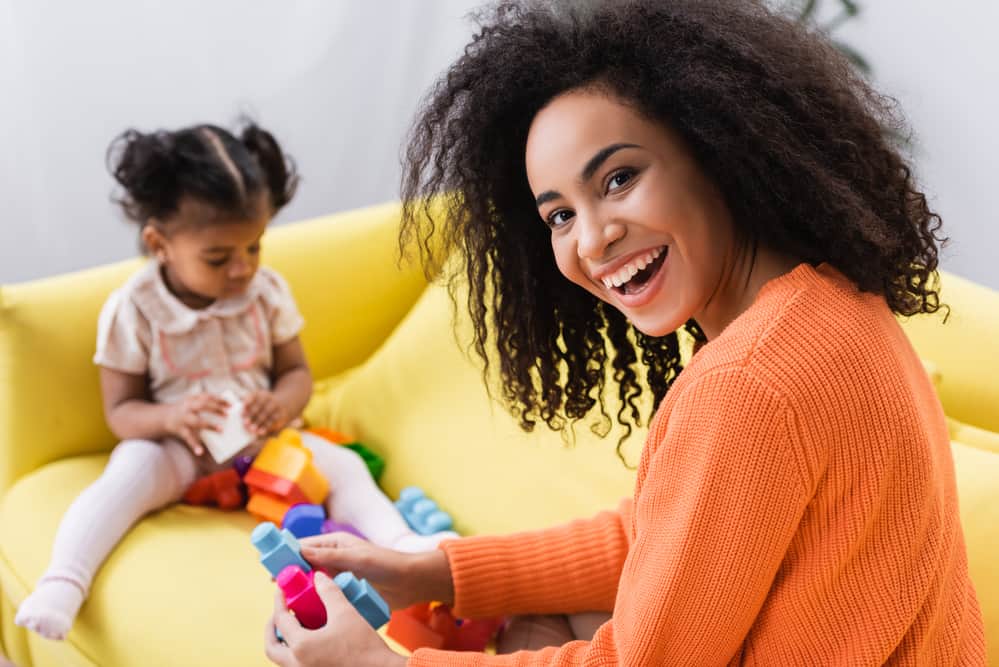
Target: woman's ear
{"points": [[154, 240]]}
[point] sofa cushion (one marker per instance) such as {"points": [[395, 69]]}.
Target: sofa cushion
{"points": [[420, 402], [183, 588]]}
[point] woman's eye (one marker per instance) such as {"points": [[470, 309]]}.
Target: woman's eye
{"points": [[254, 249], [216, 262], [619, 179], [559, 218]]}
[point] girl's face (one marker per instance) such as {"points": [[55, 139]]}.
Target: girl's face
{"points": [[634, 219], [206, 256]]}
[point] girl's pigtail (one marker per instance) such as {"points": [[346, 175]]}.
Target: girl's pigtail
{"points": [[145, 166], [279, 169]]}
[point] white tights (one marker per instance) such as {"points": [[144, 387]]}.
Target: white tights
{"points": [[142, 476]]}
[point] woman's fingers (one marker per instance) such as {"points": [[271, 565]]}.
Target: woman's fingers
{"points": [[276, 650]]}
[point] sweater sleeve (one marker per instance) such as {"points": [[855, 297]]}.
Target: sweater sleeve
{"points": [[719, 496], [575, 567]]}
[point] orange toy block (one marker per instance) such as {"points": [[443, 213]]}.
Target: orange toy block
{"points": [[222, 488], [410, 627], [432, 625], [266, 507], [287, 458], [329, 434]]}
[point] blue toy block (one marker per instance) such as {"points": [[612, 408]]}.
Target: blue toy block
{"points": [[365, 599], [304, 520], [422, 513], [278, 548]]}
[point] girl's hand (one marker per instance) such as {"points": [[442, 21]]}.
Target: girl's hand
{"points": [[263, 413], [186, 420], [403, 579], [346, 639]]}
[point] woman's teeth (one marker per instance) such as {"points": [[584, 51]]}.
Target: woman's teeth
{"points": [[628, 271]]}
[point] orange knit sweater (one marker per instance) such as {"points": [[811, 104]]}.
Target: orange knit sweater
{"points": [[795, 505]]}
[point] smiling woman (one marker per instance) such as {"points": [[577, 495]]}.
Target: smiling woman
{"points": [[610, 174]]}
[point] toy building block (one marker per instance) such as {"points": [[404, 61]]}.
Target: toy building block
{"points": [[331, 526], [304, 520], [233, 437], [223, 488], [335, 437], [473, 634], [286, 458], [411, 628], [278, 548], [365, 599], [432, 625], [241, 464], [300, 596], [422, 513], [266, 507], [375, 463], [259, 481]]}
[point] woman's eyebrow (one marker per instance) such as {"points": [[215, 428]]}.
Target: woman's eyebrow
{"points": [[601, 156]]}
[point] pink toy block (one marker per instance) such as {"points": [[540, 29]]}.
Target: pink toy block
{"points": [[300, 596]]}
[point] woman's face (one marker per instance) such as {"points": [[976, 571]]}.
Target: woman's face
{"points": [[633, 218]]}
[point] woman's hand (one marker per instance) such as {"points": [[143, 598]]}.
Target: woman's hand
{"points": [[264, 413], [346, 639], [186, 419], [403, 579]]}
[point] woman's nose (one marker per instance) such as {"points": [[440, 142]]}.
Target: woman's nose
{"points": [[596, 235]]}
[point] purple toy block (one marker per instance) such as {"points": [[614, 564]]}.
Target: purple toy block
{"points": [[304, 520], [331, 526], [242, 464]]}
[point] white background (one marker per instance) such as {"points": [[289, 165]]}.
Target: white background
{"points": [[338, 82]]}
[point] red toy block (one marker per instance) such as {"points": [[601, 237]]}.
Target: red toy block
{"points": [[261, 481], [223, 488], [474, 634]]}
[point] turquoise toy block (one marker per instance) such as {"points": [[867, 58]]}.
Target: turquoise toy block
{"points": [[422, 513], [304, 520], [278, 548], [365, 599]]}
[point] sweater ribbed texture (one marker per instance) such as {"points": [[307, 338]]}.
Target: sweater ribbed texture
{"points": [[795, 505]]}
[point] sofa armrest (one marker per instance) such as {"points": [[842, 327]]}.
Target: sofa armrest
{"points": [[964, 350]]}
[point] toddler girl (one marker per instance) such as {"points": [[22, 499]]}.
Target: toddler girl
{"points": [[199, 321]]}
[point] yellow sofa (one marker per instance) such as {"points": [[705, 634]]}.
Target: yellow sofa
{"points": [[185, 588]]}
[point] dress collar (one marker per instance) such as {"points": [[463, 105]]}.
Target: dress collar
{"points": [[173, 316]]}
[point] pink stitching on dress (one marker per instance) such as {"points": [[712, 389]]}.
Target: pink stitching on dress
{"points": [[258, 342], [165, 354]]}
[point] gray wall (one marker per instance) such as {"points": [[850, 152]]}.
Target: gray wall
{"points": [[338, 81]]}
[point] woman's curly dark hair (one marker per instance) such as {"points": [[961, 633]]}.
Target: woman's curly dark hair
{"points": [[797, 142]]}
